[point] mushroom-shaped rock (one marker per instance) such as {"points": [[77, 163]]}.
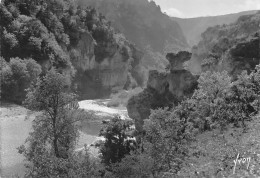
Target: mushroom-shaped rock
{"points": [[157, 80], [177, 60]]}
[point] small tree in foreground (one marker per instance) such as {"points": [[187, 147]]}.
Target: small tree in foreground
{"points": [[50, 146], [168, 134], [117, 143]]}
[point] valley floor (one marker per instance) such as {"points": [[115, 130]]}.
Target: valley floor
{"points": [[14, 130]]}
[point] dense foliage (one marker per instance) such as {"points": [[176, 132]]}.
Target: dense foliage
{"points": [[202, 135], [117, 141], [16, 76], [49, 32]]}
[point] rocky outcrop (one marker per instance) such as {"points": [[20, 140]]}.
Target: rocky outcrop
{"points": [[98, 75], [163, 89], [78, 42], [158, 81], [144, 24], [177, 60], [244, 55], [233, 47]]}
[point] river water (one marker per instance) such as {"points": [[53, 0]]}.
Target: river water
{"points": [[14, 129]]}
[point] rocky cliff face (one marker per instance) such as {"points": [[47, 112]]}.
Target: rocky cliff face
{"points": [[232, 47], [143, 23], [163, 89], [71, 38], [100, 74]]}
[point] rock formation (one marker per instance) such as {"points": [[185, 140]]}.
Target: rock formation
{"points": [[74, 40], [233, 47], [97, 74], [144, 24], [163, 89]]}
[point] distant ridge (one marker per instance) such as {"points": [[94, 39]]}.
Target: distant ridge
{"points": [[193, 27]]}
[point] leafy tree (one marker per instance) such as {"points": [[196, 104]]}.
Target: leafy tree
{"points": [[6, 78], [50, 146], [33, 68], [167, 134], [9, 39], [242, 99], [208, 99], [16, 76], [117, 143]]}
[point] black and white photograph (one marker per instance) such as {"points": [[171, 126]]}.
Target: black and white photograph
{"points": [[129, 88]]}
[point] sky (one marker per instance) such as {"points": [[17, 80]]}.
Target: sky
{"points": [[198, 8]]}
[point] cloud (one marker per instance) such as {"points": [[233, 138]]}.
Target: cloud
{"points": [[174, 13], [250, 4], [253, 4]]}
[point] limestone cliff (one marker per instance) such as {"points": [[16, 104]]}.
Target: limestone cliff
{"points": [[99, 74], [163, 89], [73, 39], [144, 24], [233, 47]]}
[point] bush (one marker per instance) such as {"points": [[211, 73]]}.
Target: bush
{"points": [[218, 101], [167, 136], [116, 145], [17, 76], [135, 165]]}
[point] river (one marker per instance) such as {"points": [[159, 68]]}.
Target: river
{"points": [[14, 129]]}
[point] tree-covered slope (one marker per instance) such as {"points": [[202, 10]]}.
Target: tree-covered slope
{"points": [[233, 47], [143, 23], [77, 41]]}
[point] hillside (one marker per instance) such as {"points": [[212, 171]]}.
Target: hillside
{"points": [[233, 47], [79, 42], [143, 23], [193, 27]]}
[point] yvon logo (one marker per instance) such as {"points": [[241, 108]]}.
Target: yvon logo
{"points": [[241, 161]]}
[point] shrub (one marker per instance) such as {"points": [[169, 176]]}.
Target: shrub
{"points": [[167, 136], [116, 145], [17, 75], [135, 165]]}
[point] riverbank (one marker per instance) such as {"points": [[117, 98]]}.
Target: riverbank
{"points": [[14, 131]]}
